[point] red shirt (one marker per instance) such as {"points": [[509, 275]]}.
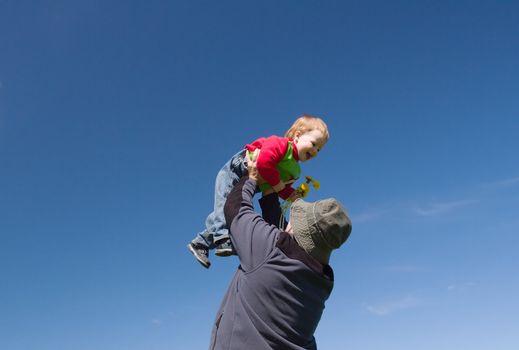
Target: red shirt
{"points": [[273, 150]]}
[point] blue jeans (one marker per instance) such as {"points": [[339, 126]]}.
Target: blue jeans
{"points": [[227, 178]]}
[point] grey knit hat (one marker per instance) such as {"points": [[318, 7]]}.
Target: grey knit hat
{"points": [[320, 227]]}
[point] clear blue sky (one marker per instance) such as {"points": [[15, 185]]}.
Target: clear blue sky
{"points": [[115, 117]]}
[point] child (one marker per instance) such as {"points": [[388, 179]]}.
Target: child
{"points": [[277, 164]]}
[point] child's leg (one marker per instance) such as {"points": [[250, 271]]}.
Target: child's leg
{"points": [[227, 178], [216, 230]]}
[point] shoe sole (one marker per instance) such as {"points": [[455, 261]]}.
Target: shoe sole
{"points": [[223, 252], [221, 240], [203, 263]]}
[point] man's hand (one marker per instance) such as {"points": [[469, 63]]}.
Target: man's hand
{"points": [[295, 195], [251, 160]]}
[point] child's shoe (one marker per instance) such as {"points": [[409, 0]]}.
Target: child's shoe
{"points": [[201, 253], [225, 249]]}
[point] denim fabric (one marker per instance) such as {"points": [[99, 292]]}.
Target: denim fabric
{"points": [[228, 176]]}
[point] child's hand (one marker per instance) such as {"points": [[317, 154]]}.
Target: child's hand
{"points": [[282, 184]]}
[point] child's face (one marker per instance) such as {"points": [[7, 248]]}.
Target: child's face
{"points": [[309, 144]]}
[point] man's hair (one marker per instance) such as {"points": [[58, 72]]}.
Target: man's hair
{"points": [[307, 123]]}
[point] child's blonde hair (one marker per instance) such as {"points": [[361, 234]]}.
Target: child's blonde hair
{"points": [[307, 123]]}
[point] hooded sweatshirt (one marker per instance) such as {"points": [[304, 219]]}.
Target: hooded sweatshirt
{"points": [[277, 295]]}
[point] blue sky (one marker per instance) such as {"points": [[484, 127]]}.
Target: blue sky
{"points": [[115, 117]]}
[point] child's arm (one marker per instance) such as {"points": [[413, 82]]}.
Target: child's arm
{"points": [[287, 192]]}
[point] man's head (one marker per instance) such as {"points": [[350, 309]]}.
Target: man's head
{"points": [[319, 227]]}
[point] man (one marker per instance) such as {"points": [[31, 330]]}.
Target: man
{"points": [[277, 296]]}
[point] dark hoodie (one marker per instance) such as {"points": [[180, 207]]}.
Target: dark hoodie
{"points": [[277, 295]]}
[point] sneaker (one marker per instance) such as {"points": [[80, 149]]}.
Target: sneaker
{"points": [[201, 253], [225, 249]]}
